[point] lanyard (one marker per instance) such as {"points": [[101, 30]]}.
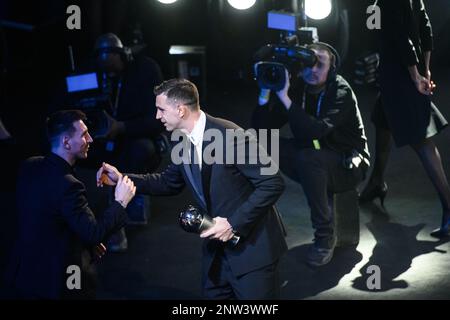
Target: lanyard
{"points": [[319, 105], [116, 100]]}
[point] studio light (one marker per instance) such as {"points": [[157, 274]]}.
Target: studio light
{"points": [[167, 1], [241, 4], [318, 9]]}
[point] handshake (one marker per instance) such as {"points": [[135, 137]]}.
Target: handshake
{"points": [[219, 227], [110, 176]]}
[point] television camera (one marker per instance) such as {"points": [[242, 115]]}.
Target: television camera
{"points": [[290, 53]]}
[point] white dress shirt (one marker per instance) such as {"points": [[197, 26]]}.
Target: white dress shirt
{"points": [[196, 137]]}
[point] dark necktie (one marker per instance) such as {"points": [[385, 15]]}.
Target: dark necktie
{"points": [[195, 169]]}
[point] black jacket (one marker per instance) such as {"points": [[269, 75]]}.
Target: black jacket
{"points": [[56, 229], [338, 126], [237, 192], [405, 36], [406, 32]]}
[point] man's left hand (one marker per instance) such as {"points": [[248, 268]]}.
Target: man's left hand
{"points": [[221, 230]]}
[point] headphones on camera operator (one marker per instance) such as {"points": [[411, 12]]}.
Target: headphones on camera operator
{"points": [[106, 44], [110, 43]]}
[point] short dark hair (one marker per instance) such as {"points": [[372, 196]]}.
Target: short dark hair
{"points": [[62, 122], [179, 91], [322, 47]]}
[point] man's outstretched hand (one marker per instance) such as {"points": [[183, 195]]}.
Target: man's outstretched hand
{"points": [[107, 175]]}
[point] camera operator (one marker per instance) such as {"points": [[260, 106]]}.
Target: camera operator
{"points": [[129, 130], [132, 123], [331, 153]]}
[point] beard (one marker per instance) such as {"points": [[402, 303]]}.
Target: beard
{"points": [[83, 153]]}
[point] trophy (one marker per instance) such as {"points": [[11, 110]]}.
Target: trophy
{"points": [[192, 220]]}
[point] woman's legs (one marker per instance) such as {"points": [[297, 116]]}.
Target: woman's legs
{"points": [[431, 161], [376, 187], [383, 142]]}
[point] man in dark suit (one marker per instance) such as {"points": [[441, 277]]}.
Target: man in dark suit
{"points": [[57, 230], [237, 193]]}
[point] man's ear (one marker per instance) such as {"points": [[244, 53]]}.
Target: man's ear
{"points": [[65, 142], [181, 110]]}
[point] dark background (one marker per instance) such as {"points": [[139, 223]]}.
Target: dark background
{"points": [[33, 62]]}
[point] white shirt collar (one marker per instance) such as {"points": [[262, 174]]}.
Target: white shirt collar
{"points": [[196, 135]]}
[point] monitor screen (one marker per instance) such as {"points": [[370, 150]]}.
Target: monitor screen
{"points": [[82, 82], [282, 20]]}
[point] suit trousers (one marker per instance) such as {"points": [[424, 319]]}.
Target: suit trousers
{"points": [[221, 284]]}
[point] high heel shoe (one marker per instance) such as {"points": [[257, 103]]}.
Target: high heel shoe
{"points": [[443, 231], [371, 193]]}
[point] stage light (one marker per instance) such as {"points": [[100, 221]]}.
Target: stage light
{"points": [[318, 9], [241, 4], [167, 1]]}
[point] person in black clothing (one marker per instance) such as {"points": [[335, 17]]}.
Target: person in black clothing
{"points": [[58, 232], [330, 146], [404, 110]]}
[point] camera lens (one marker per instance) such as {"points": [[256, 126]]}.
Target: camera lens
{"points": [[271, 76]]}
